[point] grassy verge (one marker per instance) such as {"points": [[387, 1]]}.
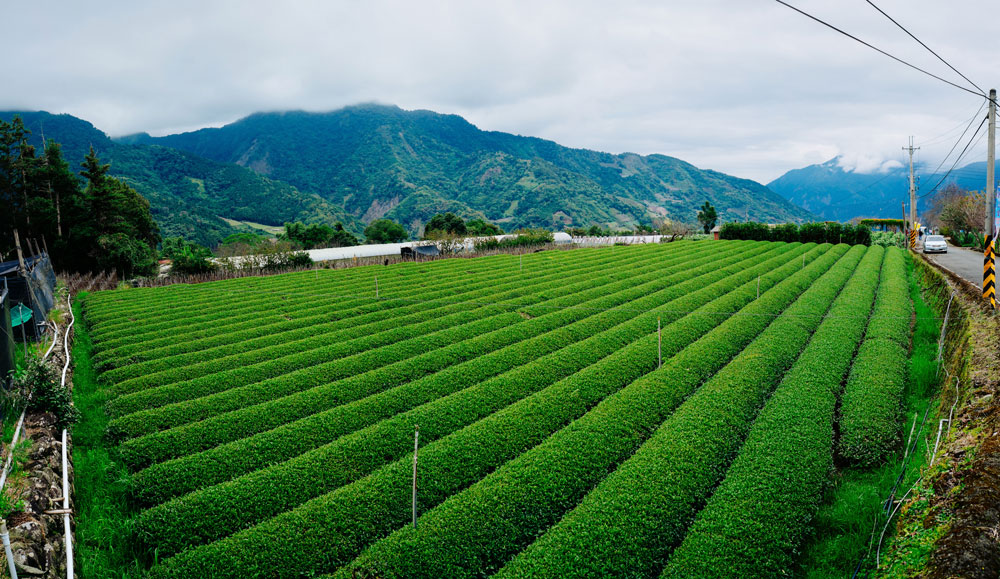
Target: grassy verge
{"points": [[103, 517], [852, 518]]}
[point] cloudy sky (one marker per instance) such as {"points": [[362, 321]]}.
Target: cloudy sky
{"points": [[747, 87]]}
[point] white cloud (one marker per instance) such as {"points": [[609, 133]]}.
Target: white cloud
{"points": [[749, 88]]}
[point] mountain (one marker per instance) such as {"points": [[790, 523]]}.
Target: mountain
{"points": [[189, 196], [836, 194], [381, 161]]}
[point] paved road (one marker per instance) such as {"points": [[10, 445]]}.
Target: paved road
{"points": [[966, 263]]}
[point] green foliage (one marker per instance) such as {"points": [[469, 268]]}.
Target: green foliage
{"points": [[871, 405], [707, 216], [106, 226], [245, 238], [41, 381], [480, 227], [385, 231], [421, 164], [444, 224], [318, 235], [831, 232], [389, 438], [888, 239], [759, 514], [524, 238], [187, 193], [250, 409], [187, 257], [686, 453]]}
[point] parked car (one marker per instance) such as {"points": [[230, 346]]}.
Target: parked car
{"points": [[935, 244]]}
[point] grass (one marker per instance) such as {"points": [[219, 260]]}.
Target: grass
{"points": [[103, 520], [269, 229], [848, 524]]}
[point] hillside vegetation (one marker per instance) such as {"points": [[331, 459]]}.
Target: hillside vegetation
{"points": [[381, 161], [188, 195]]}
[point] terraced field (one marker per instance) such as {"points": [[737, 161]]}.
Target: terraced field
{"points": [[269, 422]]}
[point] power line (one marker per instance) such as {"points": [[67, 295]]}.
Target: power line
{"points": [[879, 50], [925, 46], [958, 159], [960, 137]]}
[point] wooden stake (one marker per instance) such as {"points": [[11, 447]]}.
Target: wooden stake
{"points": [[20, 256], [416, 443]]}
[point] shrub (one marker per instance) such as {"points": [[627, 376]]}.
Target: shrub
{"points": [[687, 452], [757, 517]]}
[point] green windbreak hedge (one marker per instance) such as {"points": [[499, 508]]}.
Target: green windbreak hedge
{"points": [[755, 521]]}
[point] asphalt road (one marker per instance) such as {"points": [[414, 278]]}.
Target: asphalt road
{"points": [[966, 263]]}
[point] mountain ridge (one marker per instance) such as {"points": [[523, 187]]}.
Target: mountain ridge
{"points": [[380, 160], [833, 193]]}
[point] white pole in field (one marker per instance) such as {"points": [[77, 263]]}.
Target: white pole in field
{"points": [[758, 287], [376, 287], [520, 264], [659, 343], [416, 442]]}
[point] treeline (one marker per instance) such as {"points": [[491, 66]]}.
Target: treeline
{"points": [[88, 222], [830, 232]]}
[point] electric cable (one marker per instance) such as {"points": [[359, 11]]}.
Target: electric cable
{"points": [[879, 50], [891, 19]]}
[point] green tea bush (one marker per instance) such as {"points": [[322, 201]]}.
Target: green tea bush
{"points": [[756, 519]]}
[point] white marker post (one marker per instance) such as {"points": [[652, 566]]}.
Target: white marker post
{"points": [[416, 441], [758, 287], [376, 287]]}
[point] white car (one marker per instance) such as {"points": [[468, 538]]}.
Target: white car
{"points": [[935, 244]]}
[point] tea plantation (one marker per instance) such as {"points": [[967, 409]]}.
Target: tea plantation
{"points": [[268, 423]]}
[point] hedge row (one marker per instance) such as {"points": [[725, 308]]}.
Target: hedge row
{"points": [[686, 456], [280, 309], [177, 477], [254, 419], [476, 531], [755, 521], [328, 531], [380, 331], [828, 232], [238, 388], [872, 402]]}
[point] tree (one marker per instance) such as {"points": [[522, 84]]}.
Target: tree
{"points": [[707, 217], [117, 230], [385, 231], [444, 224], [318, 235], [481, 227]]}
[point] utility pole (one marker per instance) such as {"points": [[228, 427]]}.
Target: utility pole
{"points": [[989, 259], [913, 197]]}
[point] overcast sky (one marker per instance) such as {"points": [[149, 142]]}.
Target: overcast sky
{"points": [[747, 87]]}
